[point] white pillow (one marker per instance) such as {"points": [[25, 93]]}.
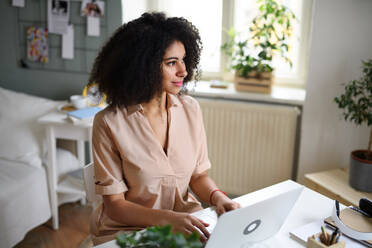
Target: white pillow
{"points": [[21, 137], [66, 162]]}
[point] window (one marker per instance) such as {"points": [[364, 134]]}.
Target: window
{"points": [[212, 17], [210, 27]]}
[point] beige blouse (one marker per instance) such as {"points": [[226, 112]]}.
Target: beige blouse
{"points": [[129, 158]]}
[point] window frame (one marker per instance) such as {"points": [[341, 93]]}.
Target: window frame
{"points": [[228, 7]]}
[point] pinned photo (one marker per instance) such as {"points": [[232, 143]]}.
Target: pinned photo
{"points": [[37, 44], [58, 16], [92, 8], [59, 7]]}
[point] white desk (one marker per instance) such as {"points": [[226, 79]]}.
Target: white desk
{"points": [[58, 126], [311, 206]]}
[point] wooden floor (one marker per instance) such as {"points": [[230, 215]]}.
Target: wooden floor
{"points": [[73, 229]]}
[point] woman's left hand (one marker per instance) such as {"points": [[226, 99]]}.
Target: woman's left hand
{"points": [[223, 203]]}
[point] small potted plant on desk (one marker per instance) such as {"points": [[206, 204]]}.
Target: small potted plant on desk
{"points": [[268, 36], [158, 237], [357, 105]]}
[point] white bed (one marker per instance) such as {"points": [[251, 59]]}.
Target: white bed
{"points": [[24, 199]]}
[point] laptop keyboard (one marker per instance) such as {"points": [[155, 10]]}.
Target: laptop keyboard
{"points": [[209, 216]]}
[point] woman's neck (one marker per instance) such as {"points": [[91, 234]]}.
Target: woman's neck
{"points": [[156, 105]]}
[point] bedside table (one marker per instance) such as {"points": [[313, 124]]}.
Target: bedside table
{"points": [[58, 125], [335, 185]]}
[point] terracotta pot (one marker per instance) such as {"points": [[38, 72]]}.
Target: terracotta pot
{"points": [[360, 175]]}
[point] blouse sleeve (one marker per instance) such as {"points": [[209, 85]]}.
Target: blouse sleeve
{"points": [[203, 162], [109, 178]]}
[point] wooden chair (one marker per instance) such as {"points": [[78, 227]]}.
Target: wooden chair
{"points": [[88, 176]]}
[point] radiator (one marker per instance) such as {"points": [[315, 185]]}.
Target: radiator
{"points": [[250, 145]]}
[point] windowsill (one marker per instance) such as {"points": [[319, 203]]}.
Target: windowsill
{"points": [[279, 94]]}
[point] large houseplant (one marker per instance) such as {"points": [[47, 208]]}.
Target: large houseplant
{"points": [[268, 35], [356, 102]]}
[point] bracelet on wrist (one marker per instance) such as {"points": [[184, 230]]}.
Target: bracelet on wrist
{"points": [[211, 195]]}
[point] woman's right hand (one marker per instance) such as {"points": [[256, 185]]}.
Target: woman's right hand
{"points": [[187, 224]]}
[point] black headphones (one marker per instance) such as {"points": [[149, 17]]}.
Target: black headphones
{"points": [[365, 208]]}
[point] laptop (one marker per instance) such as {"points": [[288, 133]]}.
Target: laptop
{"points": [[254, 222]]}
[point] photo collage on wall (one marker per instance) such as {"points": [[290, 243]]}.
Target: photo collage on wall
{"points": [[58, 14], [37, 44]]}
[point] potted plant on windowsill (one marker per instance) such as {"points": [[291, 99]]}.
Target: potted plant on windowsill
{"points": [[251, 58], [357, 105]]}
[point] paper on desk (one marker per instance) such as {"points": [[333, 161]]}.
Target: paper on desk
{"points": [[68, 43], [301, 234]]}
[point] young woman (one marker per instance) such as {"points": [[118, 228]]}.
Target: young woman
{"points": [[149, 144]]}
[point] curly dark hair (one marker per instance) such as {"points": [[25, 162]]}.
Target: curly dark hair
{"points": [[128, 67]]}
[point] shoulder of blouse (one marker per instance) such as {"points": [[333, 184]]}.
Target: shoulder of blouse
{"points": [[189, 102], [106, 114]]}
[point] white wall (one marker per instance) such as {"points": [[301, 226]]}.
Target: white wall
{"points": [[341, 37]]}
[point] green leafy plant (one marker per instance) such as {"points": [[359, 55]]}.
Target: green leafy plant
{"points": [[158, 237], [268, 36], [357, 102]]}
